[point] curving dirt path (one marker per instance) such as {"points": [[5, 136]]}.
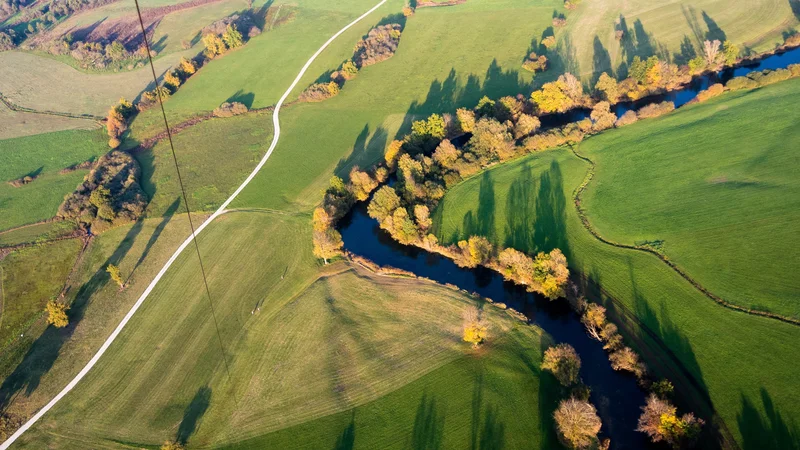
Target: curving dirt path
{"points": [[220, 210]]}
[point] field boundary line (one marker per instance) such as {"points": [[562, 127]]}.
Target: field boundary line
{"points": [[23, 109], [576, 198], [174, 257]]}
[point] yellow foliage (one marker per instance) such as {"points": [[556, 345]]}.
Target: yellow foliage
{"points": [[57, 314], [186, 66], [393, 152], [475, 333]]}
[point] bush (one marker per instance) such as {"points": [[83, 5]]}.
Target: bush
{"points": [[712, 91], [563, 361], [626, 359], [655, 110], [602, 117], [577, 423], [319, 91], [626, 119], [57, 314], [230, 109], [475, 328], [535, 63], [466, 120], [660, 422], [379, 44]]}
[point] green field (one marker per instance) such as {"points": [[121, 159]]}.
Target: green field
{"points": [[17, 124], [718, 185], [341, 322], [30, 277], [527, 204], [672, 29], [37, 154], [214, 158], [37, 232]]}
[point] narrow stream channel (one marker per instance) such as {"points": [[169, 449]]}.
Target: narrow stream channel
{"points": [[616, 395]]}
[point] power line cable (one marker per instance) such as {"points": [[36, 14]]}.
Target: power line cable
{"points": [[183, 190]]}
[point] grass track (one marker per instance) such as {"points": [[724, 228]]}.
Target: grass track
{"points": [[527, 204]]}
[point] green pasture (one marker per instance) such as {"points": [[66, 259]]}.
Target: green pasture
{"points": [[36, 233], [214, 157], [43, 155], [527, 204], [28, 279], [718, 185], [303, 343]]}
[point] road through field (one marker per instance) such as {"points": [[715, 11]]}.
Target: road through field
{"points": [[220, 210]]}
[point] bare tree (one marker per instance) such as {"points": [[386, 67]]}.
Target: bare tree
{"points": [[711, 51]]}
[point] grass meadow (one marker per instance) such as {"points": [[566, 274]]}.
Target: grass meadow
{"points": [[43, 155], [17, 124], [718, 185], [527, 204], [303, 343]]}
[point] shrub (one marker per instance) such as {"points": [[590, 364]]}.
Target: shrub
{"points": [[563, 361], [559, 22], [602, 117], [655, 110], [577, 423], [535, 63], [552, 98], [660, 422], [662, 388], [627, 359], [792, 40], [57, 313], [712, 91], [115, 274], [475, 328], [114, 143], [549, 42], [230, 109], [172, 81], [348, 70], [379, 44], [466, 120], [626, 119], [319, 91]]}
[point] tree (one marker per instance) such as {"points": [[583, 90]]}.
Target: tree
{"points": [[662, 389], [608, 87], [485, 107], [572, 86], [383, 204], [475, 327], [349, 70], [697, 64], [549, 42], [552, 98], [115, 51], [550, 274], [660, 422], [711, 52], [187, 67], [446, 154], [170, 445], [362, 184], [565, 364], [638, 70], [115, 123], [602, 117], [491, 139], [115, 275], [232, 37], [327, 244], [423, 216], [594, 319], [392, 152], [626, 359], [172, 81], [577, 423], [57, 314], [479, 249], [730, 52], [214, 45], [526, 124], [466, 119], [321, 220]]}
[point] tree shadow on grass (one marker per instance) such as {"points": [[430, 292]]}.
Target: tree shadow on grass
{"points": [[714, 31], [347, 439], [483, 222], [795, 5], [365, 149], [601, 61], [767, 430], [193, 413], [156, 233], [44, 351], [428, 425], [245, 98]]}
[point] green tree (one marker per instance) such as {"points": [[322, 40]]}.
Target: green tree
{"points": [[552, 98], [638, 70], [57, 314], [730, 52], [232, 37], [608, 87], [383, 203]]}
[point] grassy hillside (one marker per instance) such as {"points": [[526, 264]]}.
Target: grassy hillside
{"points": [[284, 323], [718, 185], [30, 277], [527, 204], [15, 124], [214, 157], [672, 29], [43, 155]]}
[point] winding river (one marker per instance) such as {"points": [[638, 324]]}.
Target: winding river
{"points": [[616, 395]]}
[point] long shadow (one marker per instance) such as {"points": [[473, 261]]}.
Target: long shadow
{"points": [[365, 148], [767, 430], [714, 31], [493, 431], [347, 439], [690, 14], [483, 223], [45, 350], [687, 53], [601, 61], [245, 98], [549, 229], [428, 426], [520, 210], [156, 233], [193, 413], [795, 5]]}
